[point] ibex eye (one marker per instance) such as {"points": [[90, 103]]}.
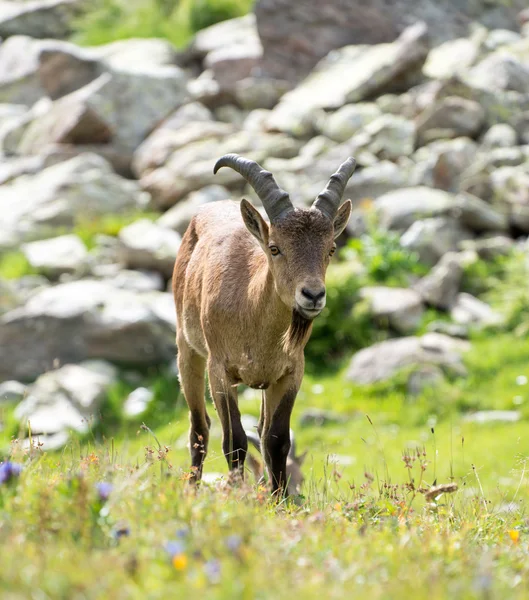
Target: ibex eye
{"points": [[274, 250], [333, 250]]}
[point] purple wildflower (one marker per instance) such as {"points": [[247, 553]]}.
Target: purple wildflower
{"points": [[233, 542], [212, 570], [104, 489], [9, 470], [120, 531], [174, 547], [182, 533]]}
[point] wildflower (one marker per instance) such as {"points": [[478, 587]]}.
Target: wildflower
{"points": [[212, 570], [121, 530], [104, 489], [179, 562], [182, 533], [233, 542], [514, 534], [174, 548], [9, 470]]}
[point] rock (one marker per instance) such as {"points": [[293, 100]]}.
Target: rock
{"points": [[232, 64], [296, 35], [522, 127], [38, 18], [424, 377], [443, 164], [31, 69], [69, 121], [454, 330], [350, 75], [316, 417], [451, 117], [451, 58], [206, 90], [137, 402], [63, 254], [12, 391], [349, 120], [155, 151], [499, 71], [240, 31], [387, 137], [511, 185], [433, 238], [490, 247], [501, 106], [500, 37], [230, 114], [67, 398], [128, 103], [136, 54], [259, 92], [383, 360], [499, 136], [190, 168], [399, 209], [493, 416], [179, 216], [147, 245], [8, 111], [440, 287], [192, 112], [468, 310], [27, 286], [401, 308], [137, 281], [60, 195], [8, 296], [85, 319]]}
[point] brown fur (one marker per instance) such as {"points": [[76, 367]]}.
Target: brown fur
{"points": [[238, 317]]}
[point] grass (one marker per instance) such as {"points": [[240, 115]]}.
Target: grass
{"points": [[363, 525], [363, 528]]}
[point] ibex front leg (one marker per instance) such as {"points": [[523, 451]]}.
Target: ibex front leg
{"points": [[275, 437], [234, 441]]}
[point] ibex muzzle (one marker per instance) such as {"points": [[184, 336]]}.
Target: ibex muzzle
{"points": [[246, 292]]}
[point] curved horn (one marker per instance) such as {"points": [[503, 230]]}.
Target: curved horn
{"points": [[329, 200], [276, 201]]}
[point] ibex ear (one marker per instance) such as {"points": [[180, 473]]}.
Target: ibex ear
{"points": [[255, 224], [341, 218]]}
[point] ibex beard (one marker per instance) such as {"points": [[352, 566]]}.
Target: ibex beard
{"points": [[246, 293]]}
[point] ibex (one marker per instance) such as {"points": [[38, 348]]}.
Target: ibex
{"points": [[246, 293]]}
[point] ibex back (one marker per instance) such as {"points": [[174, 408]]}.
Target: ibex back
{"points": [[246, 292]]}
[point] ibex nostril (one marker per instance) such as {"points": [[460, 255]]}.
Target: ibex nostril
{"points": [[313, 295]]}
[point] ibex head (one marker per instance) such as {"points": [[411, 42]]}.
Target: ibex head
{"points": [[298, 242]]}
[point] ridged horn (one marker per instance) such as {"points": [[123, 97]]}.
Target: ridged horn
{"points": [[276, 201], [329, 200]]}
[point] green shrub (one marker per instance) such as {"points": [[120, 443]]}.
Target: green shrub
{"points": [[344, 324], [385, 260], [204, 13], [106, 21], [14, 265]]}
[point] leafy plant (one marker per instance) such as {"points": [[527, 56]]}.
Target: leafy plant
{"points": [[106, 21]]}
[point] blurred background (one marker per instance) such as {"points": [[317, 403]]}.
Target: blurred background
{"points": [[112, 114]]}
